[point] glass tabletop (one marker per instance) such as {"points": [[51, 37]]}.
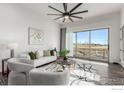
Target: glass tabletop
{"points": [[83, 73]]}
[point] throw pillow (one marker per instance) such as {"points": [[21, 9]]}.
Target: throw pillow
{"points": [[32, 55], [52, 52], [46, 53], [39, 54]]}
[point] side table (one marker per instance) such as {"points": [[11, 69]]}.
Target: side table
{"points": [[3, 64]]}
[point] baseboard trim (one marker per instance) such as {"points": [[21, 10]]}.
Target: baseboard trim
{"points": [[122, 64]]}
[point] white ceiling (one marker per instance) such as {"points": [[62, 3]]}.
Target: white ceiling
{"points": [[94, 9]]}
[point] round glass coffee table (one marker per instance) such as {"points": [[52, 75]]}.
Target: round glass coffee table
{"points": [[66, 63]]}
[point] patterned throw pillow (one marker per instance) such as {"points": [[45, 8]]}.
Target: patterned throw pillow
{"points": [[46, 53]]}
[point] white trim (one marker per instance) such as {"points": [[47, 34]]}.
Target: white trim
{"points": [[122, 64]]}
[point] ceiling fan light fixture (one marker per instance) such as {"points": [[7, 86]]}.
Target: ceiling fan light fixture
{"points": [[66, 16]]}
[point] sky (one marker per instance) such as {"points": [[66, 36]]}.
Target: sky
{"points": [[99, 36]]}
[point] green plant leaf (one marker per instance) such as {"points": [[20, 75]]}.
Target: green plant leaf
{"points": [[64, 52]]}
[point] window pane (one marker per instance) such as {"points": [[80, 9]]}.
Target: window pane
{"points": [[82, 45], [74, 43], [99, 44]]}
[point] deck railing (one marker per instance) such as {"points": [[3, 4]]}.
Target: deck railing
{"points": [[92, 52]]}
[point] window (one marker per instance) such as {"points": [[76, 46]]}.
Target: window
{"points": [[92, 44]]}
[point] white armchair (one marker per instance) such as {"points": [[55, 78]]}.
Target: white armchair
{"points": [[19, 74]]}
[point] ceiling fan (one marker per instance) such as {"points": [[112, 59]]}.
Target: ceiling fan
{"points": [[68, 14]]}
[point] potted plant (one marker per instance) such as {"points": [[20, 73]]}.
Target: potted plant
{"points": [[63, 53]]}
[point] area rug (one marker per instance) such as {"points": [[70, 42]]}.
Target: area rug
{"points": [[74, 80], [3, 80]]}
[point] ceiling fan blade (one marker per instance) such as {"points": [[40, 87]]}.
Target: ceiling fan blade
{"points": [[77, 17], [58, 18], [55, 14], [55, 9], [71, 19], [75, 7], [79, 12], [65, 6], [63, 20]]}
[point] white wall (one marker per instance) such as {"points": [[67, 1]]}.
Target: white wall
{"points": [[111, 21], [14, 23], [122, 17], [122, 41]]}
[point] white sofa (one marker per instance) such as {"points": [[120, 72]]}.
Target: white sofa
{"points": [[37, 62], [20, 65], [34, 63]]}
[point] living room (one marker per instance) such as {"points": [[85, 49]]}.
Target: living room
{"points": [[30, 27]]}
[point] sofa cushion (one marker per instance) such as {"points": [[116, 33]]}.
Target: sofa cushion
{"points": [[38, 77], [43, 60]]}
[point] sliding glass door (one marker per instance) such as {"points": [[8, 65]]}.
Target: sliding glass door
{"points": [[83, 45], [99, 44], [92, 44]]}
